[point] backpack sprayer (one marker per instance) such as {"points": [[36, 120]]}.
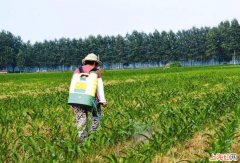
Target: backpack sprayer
{"points": [[83, 88]]}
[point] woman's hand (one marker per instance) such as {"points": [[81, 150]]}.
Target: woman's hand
{"points": [[71, 107], [104, 104]]}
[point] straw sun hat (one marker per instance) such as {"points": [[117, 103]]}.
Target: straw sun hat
{"points": [[91, 57]]}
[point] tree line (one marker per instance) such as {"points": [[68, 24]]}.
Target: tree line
{"points": [[198, 44]]}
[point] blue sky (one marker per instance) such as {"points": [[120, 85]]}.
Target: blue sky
{"points": [[37, 20]]}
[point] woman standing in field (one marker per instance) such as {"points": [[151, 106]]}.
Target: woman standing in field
{"points": [[90, 63]]}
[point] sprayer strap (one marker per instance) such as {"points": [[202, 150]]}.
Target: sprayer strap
{"points": [[81, 69]]}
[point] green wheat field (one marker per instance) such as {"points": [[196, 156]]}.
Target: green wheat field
{"points": [[153, 115]]}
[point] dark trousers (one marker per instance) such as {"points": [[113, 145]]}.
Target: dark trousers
{"points": [[81, 114]]}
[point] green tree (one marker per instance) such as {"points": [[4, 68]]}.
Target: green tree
{"points": [[234, 44], [214, 49], [225, 40], [21, 60]]}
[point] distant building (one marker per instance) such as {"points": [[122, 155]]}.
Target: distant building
{"points": [[3, 72]]}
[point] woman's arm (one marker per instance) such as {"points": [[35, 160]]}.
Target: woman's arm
{"points": [[100, 92]]}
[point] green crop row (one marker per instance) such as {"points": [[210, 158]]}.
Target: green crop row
{"points": [[150, 110]]}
